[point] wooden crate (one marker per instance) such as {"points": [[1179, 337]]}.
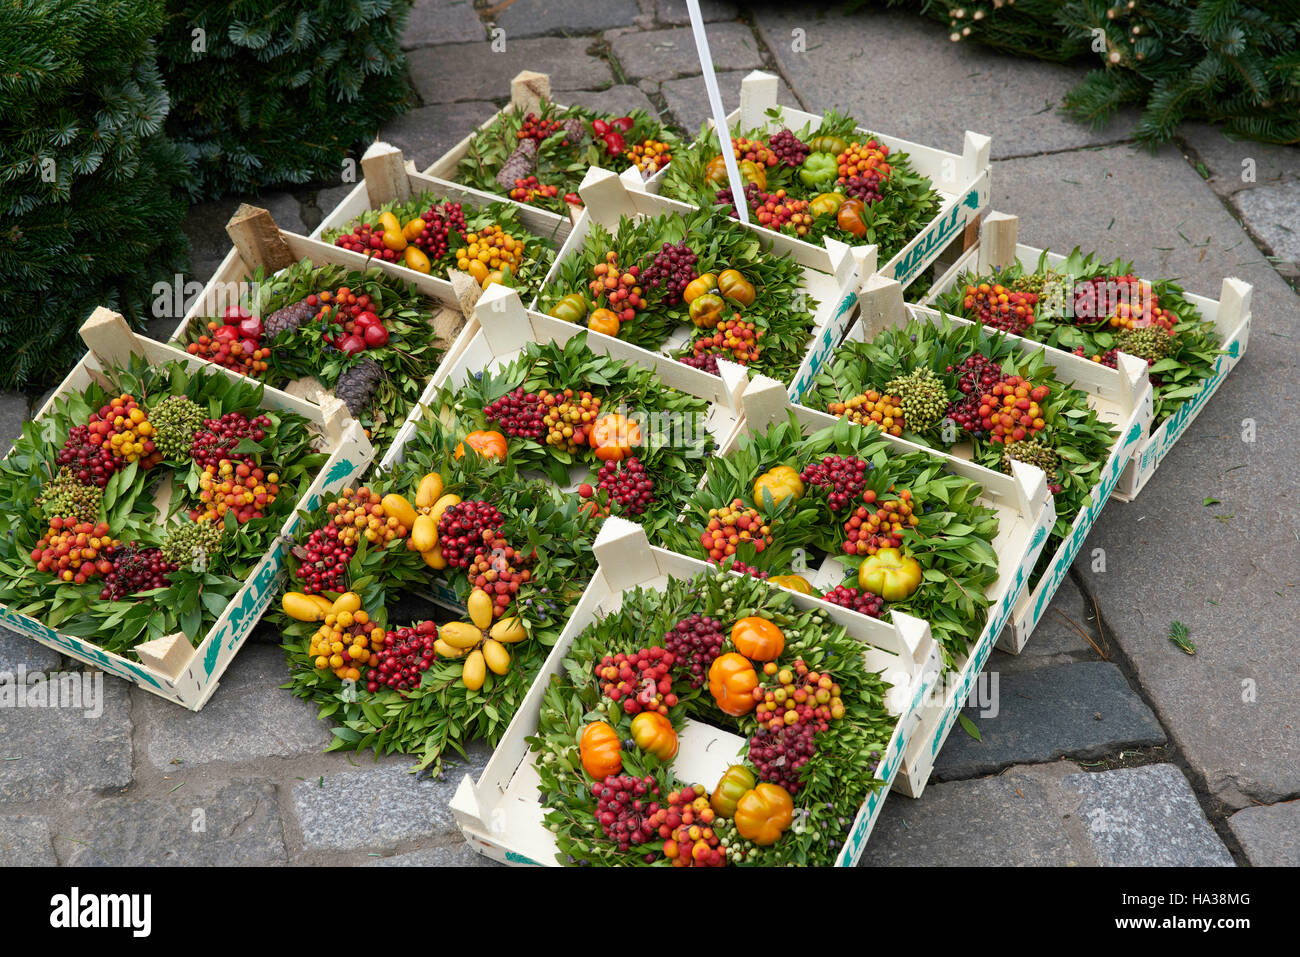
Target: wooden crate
{"points": [[500, 814], [503, 327], [961, 180], [1120, 396], [1230, 314], [1025, 517], [169, 666], [832, 275]]}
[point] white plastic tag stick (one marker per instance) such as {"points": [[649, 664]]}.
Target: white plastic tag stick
{"points": [[719, 117]]}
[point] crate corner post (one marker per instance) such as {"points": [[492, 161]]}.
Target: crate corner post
{"points": [[765, 402], [623, 553], [604, 196], [383, 168], [758, 93], [880, 306], [107, 335], [258, 239], [528, 89], [999, 234], [168, 655], [503, 319]]}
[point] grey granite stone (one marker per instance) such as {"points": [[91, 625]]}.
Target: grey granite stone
{"points": [[248, 717], [674, 11], [1145, 817], [1273, 214], [239, 824], [46, 751], [535, 18], [13, 413], [385, 806], [664, 54], [898, 74], [19, 651], [1234, 165], [472, 71], [442, 21], [1269, 834], [1082, 709], [458, 854], [623, 98], [425, 133], [689, 104], [25, 841]]}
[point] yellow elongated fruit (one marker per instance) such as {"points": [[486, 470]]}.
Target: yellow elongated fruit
{"points": [[430, 490], [348, 601], [460, 634], [300, 607], [433, 558], [323, 603], [440, 506], [414, 227], [414, 258], [480, 608], [390, 222], [424, 533], [398, 507], [445, 650], [475, 671], [508, 631], [496, 656]]}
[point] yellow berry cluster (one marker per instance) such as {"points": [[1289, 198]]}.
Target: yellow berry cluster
{"points": [[360, 514], [649, 156], [344, 642], [871, 408], [568, 418]]}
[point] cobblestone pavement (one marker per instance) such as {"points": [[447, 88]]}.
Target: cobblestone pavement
{"points": [[1142, 755]]}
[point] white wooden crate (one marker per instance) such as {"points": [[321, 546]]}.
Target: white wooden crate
{"points": [[1230, 315], [1121, 397], [169, 666], [1025, 513], [501, 815], [832, 275], [961, 180]]}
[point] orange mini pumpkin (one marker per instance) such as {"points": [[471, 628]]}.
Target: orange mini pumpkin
{"points": [[601, 750], [758, 639], [732, 680], [654, 734], [604, 321], [490, 445], [613, 437]]}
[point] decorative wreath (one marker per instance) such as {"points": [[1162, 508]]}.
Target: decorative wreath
{"points": [[652, 276], [830, 181], [910, 535], [1111, 311], [137, 507], [939, 385], [478, 514], [735, 653]]}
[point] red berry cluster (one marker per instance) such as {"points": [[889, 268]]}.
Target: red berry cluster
{"points": [[779, 756], [537, 128], [1108, 358], [869, 531], [134, 569], [753, 150], [518, 414], [855, 599], [975, 377], [753, 196], [788, 148], [621, 290], [779, 211], [92, 462], [530, 188], [845, 476], [440, 221], [461, 528], [629, 485], [406, 655], [219, 438], [640, 680], [235, 342], [323, 561], [498, 569], [355, 315], [74, 551], [706, 359], [734, 338], [801, 704], [694, 643], [624, 805], [686, 827], [671, 270], [741, 568], [864, 186], [1002, 308]]}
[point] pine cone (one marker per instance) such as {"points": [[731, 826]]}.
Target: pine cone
{"points": [[574, 131], [521, 162], [357, 384], [287, 319]]}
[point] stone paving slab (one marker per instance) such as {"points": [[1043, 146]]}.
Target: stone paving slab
{"points": [[674, 11], [25, 841], [19, 651], [374, 808], [900, 75], [1269, 834], [1049, 815], [1273, 212], [61, 751], [619, 99], [535, 18], [1225, 158], [472, 71], [442, 21], [458, 854], [1230, 580], [664, 54], [689, 104], [248, 717], [1083, 709], [1146, 817], [425, 133], [239, 824]]}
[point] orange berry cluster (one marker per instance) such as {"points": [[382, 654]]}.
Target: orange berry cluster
{"points": [[229, 352], [622, 291], [567, 418], [649, 156], [756, 151], [1002, 308], [359, 514], [736, 336], [238, 487], [862, 158], [686, 827], [872, 408], [798, 697], [345, 642], [779, 211], [731, 526], [869, 531], [529, 188], [123, 428], [1011, 410], [74, 551]]}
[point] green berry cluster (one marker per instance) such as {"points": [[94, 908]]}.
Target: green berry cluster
{"points": [[922, 396], [65, 497], [175, 420], [187, 541]]}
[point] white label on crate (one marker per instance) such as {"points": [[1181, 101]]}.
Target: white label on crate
{"points": [[915, 258]]}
